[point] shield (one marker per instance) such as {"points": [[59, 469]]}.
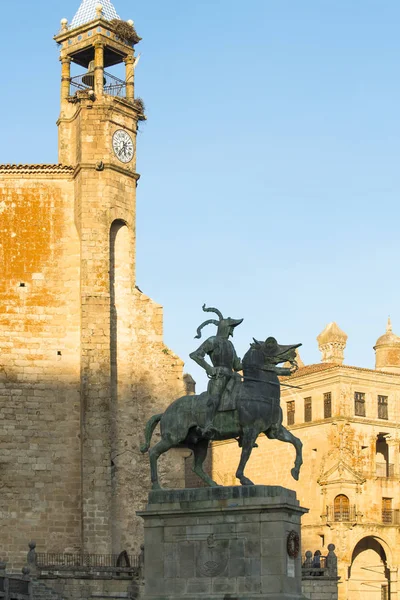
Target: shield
{"points": [[212, 557]]}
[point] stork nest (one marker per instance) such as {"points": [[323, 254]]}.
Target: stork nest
{"points": [[125, 31], [140, 107]]}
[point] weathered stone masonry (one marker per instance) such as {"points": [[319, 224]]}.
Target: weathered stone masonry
{"points": [[82, 359]]}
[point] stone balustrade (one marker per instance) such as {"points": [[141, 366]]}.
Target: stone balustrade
{"points": [[320, 575]]}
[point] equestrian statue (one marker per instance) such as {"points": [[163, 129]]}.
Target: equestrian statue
{"points": [[236, 405]]}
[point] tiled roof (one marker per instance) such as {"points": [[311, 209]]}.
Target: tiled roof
{"points": [[311, 369], [87, 12], [50, 169]]}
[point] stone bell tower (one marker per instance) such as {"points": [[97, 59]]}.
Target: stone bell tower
{"points": [[97, 135]]}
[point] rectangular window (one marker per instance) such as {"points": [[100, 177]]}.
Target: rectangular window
{"points": [[359, 404], [290, 412], [307, 410], [387, 513], [383, 407], [327, 405]]}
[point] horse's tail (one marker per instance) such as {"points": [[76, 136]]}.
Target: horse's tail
{"points": [[148, 432]]}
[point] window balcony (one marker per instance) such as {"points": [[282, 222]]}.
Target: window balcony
{"points": [[390, 516], [342, 515]]}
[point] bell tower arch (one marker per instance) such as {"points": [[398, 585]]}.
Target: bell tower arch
{"points": [[97, 135]]}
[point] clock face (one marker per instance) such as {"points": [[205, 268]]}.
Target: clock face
{"points": [[123, 146]]}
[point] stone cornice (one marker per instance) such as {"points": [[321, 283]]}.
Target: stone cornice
{"points": [[388, 424], [107, 165], [117, 105]]}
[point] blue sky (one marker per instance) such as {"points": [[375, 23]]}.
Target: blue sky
{"points": [[269, 162]]}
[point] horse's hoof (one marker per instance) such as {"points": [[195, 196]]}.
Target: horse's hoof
{"points": [[245, 481], [156, 486], [295, 474]]}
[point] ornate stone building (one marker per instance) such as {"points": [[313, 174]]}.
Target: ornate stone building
{"points": [[82, 359], [348, 419]]}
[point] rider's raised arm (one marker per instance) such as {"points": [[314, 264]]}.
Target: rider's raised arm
{"points": [[199, 354]]}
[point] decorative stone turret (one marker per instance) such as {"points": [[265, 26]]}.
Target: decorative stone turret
{"points": [[332, 342], [387, 351]]}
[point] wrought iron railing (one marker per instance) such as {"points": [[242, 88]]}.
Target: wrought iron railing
{"points": [[390, 516], [98, 561], [112, 85], [341, 515], [384, 470]]}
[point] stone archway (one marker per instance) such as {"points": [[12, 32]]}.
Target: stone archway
{"points": [[369, 575]]}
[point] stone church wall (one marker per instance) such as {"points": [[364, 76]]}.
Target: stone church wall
{"points": [[39, 362], [45, 419], [153, 379]]}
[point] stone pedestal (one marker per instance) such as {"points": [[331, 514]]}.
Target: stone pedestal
{"points": [[227, 543]]}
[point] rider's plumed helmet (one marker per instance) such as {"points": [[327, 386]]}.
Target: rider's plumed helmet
{"points": [[224, 325]]}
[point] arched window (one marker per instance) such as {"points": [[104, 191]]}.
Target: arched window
{"points": [[341, 508], [121, 283], [383, 467]]}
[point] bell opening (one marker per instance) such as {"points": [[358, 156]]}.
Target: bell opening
{"points": [[84, 81]]}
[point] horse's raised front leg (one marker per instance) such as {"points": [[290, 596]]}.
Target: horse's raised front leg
{"points": [[248, 439], [200, 454], [155, 452], [284, 435]]}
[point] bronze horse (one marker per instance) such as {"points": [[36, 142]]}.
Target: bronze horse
{"points": [[257, 411]]}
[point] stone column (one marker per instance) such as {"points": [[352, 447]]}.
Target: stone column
{"points": [[65, 78], [129, 77], [393, 453], [99, 69], [393, 583]]}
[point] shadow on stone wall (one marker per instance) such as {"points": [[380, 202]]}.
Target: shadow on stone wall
{"points": [[42, 442]]}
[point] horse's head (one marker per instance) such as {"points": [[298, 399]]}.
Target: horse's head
{"points": [[275, 353]]}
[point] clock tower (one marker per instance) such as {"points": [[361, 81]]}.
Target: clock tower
{"points": [[97, 127], [97, 135]]}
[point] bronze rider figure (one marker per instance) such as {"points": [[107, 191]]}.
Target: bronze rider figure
{"points": [[225, 364]]}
